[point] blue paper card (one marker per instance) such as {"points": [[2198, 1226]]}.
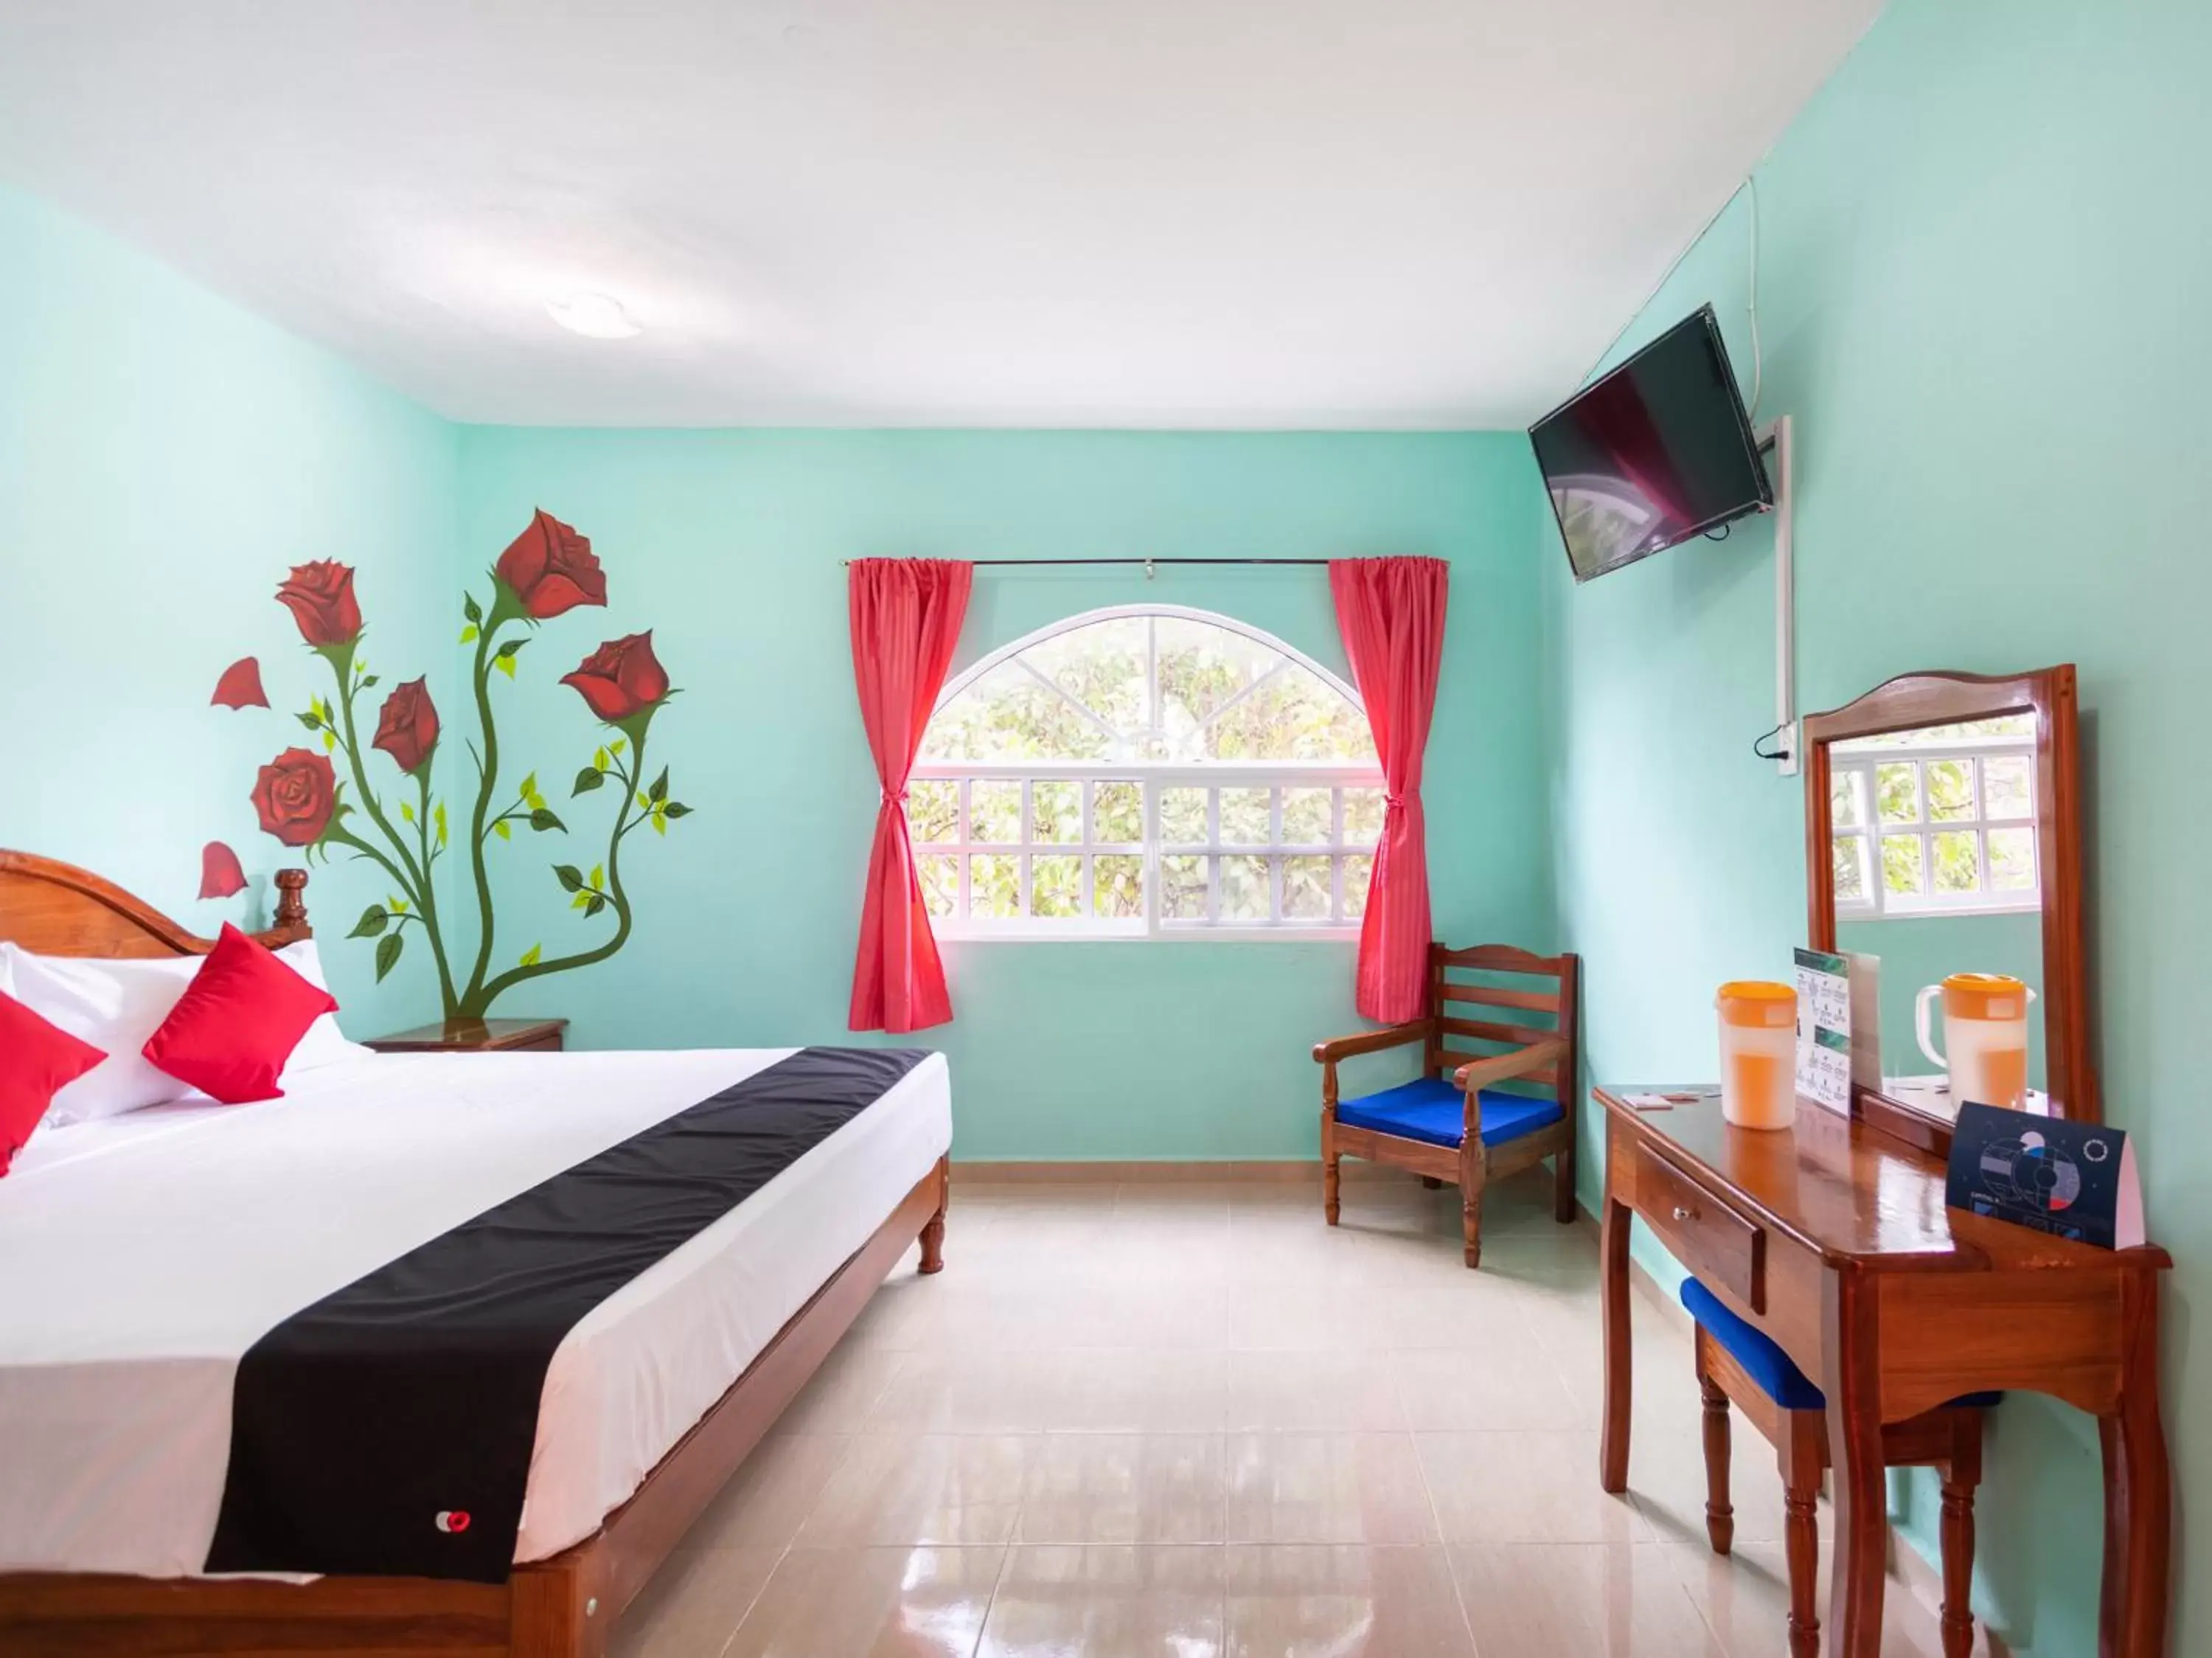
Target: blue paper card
{"points": [[2074, 1181]]}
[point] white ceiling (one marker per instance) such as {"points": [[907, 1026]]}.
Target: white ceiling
{"points": [[1233, 213]]}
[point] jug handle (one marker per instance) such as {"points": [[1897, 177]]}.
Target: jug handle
{"points": [[1920, 1006]]}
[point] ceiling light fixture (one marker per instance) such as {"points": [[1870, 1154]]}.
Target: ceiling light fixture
{"points": [[598, 316]]}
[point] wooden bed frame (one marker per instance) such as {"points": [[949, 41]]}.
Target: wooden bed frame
{"points": [[562, 1607]]}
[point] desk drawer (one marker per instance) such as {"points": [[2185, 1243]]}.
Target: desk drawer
{"points": [[1709, 1237]]}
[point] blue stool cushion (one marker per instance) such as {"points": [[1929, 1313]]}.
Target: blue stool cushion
{"points": [[1432, 1110], [1765, 1364]]}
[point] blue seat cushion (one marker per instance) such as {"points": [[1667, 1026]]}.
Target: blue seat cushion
{"points": [[1765, 1364], [1432, 1110]]}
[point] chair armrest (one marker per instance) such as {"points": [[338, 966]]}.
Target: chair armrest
{"points": [[1392, 1036], [1479, 1073]]}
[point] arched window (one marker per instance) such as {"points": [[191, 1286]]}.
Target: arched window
{"points": [[1146, 772]]}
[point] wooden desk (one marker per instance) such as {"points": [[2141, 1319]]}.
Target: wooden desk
{"points": [[1834, 1239]]}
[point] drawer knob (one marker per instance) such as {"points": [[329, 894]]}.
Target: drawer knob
{"points": [[1682, 1212]]}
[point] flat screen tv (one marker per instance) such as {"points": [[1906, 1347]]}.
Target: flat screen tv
{"points": [[1659, 450]]}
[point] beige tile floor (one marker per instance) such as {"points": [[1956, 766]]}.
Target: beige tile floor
{"points": [[1191, 1420]]}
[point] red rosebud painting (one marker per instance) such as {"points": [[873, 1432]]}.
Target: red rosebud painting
{"points": [[295, 794], [240, 685], [407, 727], [319, 596], [220, 874], [621, 678], [551, 568]]}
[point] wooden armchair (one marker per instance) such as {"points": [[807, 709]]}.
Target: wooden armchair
{"points": [[1465, 1130]]}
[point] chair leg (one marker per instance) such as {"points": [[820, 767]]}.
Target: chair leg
{"points": [[1800, 1526], [1563, 1184], [1471, 1176], [1328, 1176], [1960, 1476], [1720, 1513]]}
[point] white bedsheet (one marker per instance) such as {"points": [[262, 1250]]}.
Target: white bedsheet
{"points": [[140, 1257]]}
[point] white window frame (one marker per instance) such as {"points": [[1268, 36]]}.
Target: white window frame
{"points": [[1153, 777], [1862, 761]]}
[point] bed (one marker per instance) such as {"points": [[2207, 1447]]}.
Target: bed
{"points": [[120, 1363]]}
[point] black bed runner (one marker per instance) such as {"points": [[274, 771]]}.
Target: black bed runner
{"points": [[387, 1429]]}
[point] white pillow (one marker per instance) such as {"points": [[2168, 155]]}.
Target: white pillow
{"points": [[115, 1004]]}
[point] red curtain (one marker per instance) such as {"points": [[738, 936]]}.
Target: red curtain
{"points": [[906, 615], [1391, 613]]}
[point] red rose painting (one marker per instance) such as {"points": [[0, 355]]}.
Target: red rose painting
{"points": [[343, 799], [407, 726], [295, 796], [550, 570], [621, 679], [320, 598], [240, 686]]}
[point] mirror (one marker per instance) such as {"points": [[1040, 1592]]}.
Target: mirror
{"points": [[1942, 843]]}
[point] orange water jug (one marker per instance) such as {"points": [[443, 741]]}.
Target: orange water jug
{"points": [[1985, 1030], [1759, 1053]]}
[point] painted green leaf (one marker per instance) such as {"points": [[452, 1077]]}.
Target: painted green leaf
{"points": [[506, 665], [599, 757], [594, 907], [587, 780], [541, 820], [659, 824], [644, 804], [570, 877], [374, 920], [677, 809], [529, 786], [598, 877], [312, 721], [503, 831], [396, 906], [368, 679], [387, 954], [579, 901], [470, 609], [616, 747], [530, 956], [513, 648], [330, 741], [469, 636], [660, 789], [438, 819], [406, 813]]}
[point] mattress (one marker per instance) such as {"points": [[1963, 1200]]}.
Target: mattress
{"points": [[144, 1254]]}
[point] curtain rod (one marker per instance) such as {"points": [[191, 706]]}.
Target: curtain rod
{"points": [[1001, 563]]}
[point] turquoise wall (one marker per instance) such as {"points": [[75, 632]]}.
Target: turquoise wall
{"points": [[165, 458], [1982, 298], [728, 546]]}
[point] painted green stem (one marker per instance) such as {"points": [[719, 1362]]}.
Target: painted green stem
{"points": [[474, 999]]}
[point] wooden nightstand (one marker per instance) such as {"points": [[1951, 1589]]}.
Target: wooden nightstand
{"points": [[476, 1036]]}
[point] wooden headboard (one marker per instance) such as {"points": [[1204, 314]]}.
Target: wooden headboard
{"points": [[54, 908]]}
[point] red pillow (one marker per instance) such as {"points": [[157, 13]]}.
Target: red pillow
{"points": [[237, 1022], [36, 1061]]}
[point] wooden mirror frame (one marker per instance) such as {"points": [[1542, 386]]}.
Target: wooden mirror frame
{"points": [[1912, 700]]}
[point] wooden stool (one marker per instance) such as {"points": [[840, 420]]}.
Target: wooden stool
{"points": [[1738, 1363]]}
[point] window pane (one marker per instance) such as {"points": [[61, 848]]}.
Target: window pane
{"points": [[1901, 863], [1296, 715], [1307, 815], [1845, 810], [1055, 810], [1007, 715], [1958, 861], [1362, 816], [1202, 668], [1244, 817], [1102, 666], [1897, 792], [1358, 872], [994, 888], [1056, 885], [1245, 893], [1950, 790], [1306, 889], [1182, 817], [1117, 885], [941, 885], [994, 812], [1117, 812], [2012, 860], [1850, 866], [2005, 791], [933, 810], [1182, 887]]}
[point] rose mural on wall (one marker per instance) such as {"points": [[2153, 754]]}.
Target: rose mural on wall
{"points": [[301, 796]]}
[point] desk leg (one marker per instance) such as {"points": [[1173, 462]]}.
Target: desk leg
{"points": [[1851, 1337], [2138, 1495], [1612, 1447]]}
